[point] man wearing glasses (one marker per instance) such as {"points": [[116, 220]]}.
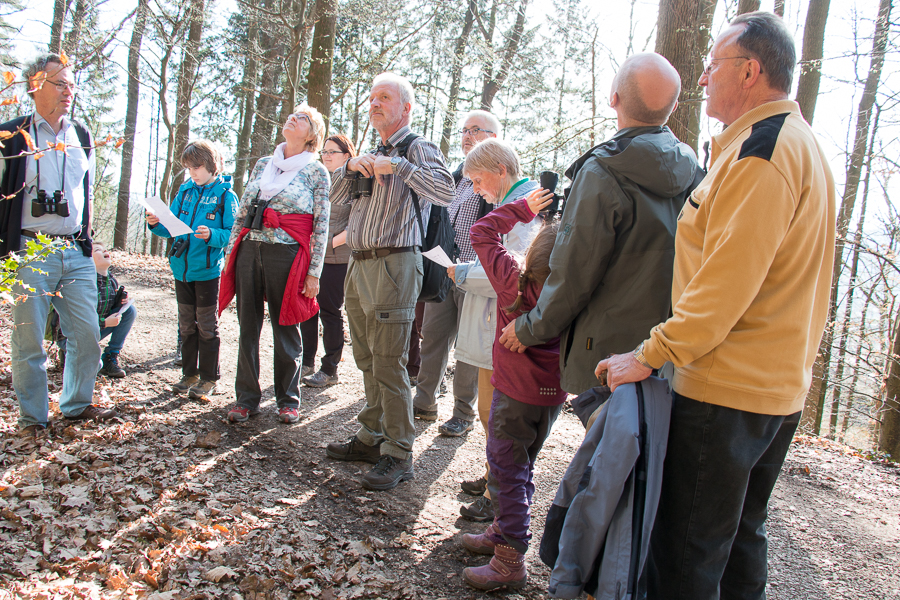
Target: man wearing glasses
{"points": [[754, 256], [51, 193], [441, 322]]}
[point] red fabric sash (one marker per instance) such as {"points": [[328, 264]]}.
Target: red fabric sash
{"points": [[295, 307]]}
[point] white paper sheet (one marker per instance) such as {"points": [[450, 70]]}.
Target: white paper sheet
{"points": [[438, 255], [128, 302], [165, 216]]}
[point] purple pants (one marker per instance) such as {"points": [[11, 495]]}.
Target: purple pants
{"points": [[516, 433]]}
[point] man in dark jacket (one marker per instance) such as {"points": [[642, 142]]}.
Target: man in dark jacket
{"points": [[50, 193], [611, 267]]}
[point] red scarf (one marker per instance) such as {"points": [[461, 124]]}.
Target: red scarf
{"points": [[295, 307]]}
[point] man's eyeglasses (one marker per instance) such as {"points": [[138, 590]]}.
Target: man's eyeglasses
{"points": [[473, 131], [63, 85], [708, 62], [331, 152]]}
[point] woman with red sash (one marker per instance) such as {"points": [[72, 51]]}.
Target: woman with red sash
{"points": [[276, 255]]}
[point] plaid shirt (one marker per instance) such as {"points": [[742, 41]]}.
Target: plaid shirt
{"points": [[463, 214], [107, 288]]}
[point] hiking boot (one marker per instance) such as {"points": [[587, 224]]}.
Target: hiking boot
{"points": [[186, 383], [506, 569], [239, 414], [202, 390], [481, 543], [474, 487], [425, 415], [479, 511], [353, 449], [455, 427], [289, 414], [321, 379], [306, 371], [94, 413], [110, 366], [35, 431], [387, 473]]}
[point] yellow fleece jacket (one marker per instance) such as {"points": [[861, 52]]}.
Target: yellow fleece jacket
{"points": [[754, 253]]}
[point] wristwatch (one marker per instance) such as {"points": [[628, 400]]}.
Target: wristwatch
{"points": [[395, 162], [639, 355]]}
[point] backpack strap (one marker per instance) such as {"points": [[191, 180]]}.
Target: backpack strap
{"points": [[402, 149]]}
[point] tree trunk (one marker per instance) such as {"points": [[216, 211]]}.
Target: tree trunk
{"points": [[266, 101], [683, 28], [745, 6], [248, 85], [299, 41], [120, 238], [779, 8], [815, 400], [889, 432], [493, 84], [459, 52], [318, 83], [187, 76], [73, 38], [811, 62], [60, 8]]}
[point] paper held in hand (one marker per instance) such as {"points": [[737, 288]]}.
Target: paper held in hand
{"points": [[438, 255], [165, 216], [128, 302]]}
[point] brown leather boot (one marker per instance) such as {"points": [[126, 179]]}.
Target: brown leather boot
{"points": [[506, 569], [481, 543]]}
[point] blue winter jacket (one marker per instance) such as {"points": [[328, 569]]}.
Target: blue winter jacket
{"points": [[213, 205]]}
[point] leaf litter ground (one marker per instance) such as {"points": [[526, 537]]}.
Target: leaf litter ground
{"points": [[171, 501]]}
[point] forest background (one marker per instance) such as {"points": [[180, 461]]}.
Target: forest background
{"points": [[153, 74]]}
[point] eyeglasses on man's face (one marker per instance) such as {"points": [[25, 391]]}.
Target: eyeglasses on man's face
{"points": [[63, 85], [473, 131], [709, 62]]}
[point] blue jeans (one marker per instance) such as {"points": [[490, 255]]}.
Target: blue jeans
{"points": [[118, 333], [73, 275], [709, 538]]}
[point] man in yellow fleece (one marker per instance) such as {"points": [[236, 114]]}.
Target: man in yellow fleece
{"points": [[753, 259]]}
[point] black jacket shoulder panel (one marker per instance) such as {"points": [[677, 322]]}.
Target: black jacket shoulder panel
{"points": [[763, 137]]}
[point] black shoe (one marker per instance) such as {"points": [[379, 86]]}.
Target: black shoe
{"points": [[479, 511], [387, 473], [455, 427], [425, 415], [111, 366], [475, 487], [353, 449]]}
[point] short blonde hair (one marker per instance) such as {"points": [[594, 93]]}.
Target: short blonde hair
{"points": [[317, 124], [488, 155], [203, 153]]}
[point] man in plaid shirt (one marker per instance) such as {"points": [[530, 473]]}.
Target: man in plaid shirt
{"points": [[441, 322]]}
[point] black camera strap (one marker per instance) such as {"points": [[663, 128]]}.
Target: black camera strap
{"points": [[37, 161]]}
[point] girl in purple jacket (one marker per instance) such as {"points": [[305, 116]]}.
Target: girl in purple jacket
{"points": [[527, 397]]}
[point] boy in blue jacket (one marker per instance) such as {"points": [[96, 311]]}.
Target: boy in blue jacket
{"points": [[207, 204]]}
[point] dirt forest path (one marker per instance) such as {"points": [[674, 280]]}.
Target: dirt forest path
{"points": [[174, 502]]}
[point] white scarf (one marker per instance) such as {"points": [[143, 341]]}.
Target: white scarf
{"points": [[281, 171]]}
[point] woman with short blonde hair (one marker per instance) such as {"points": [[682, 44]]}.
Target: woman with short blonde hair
{"points": [[277, 253]]}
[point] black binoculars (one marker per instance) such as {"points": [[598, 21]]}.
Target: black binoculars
{"points": [[178, 247], [254, 218], [360, 186], [50, 205], [549, 181]]}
